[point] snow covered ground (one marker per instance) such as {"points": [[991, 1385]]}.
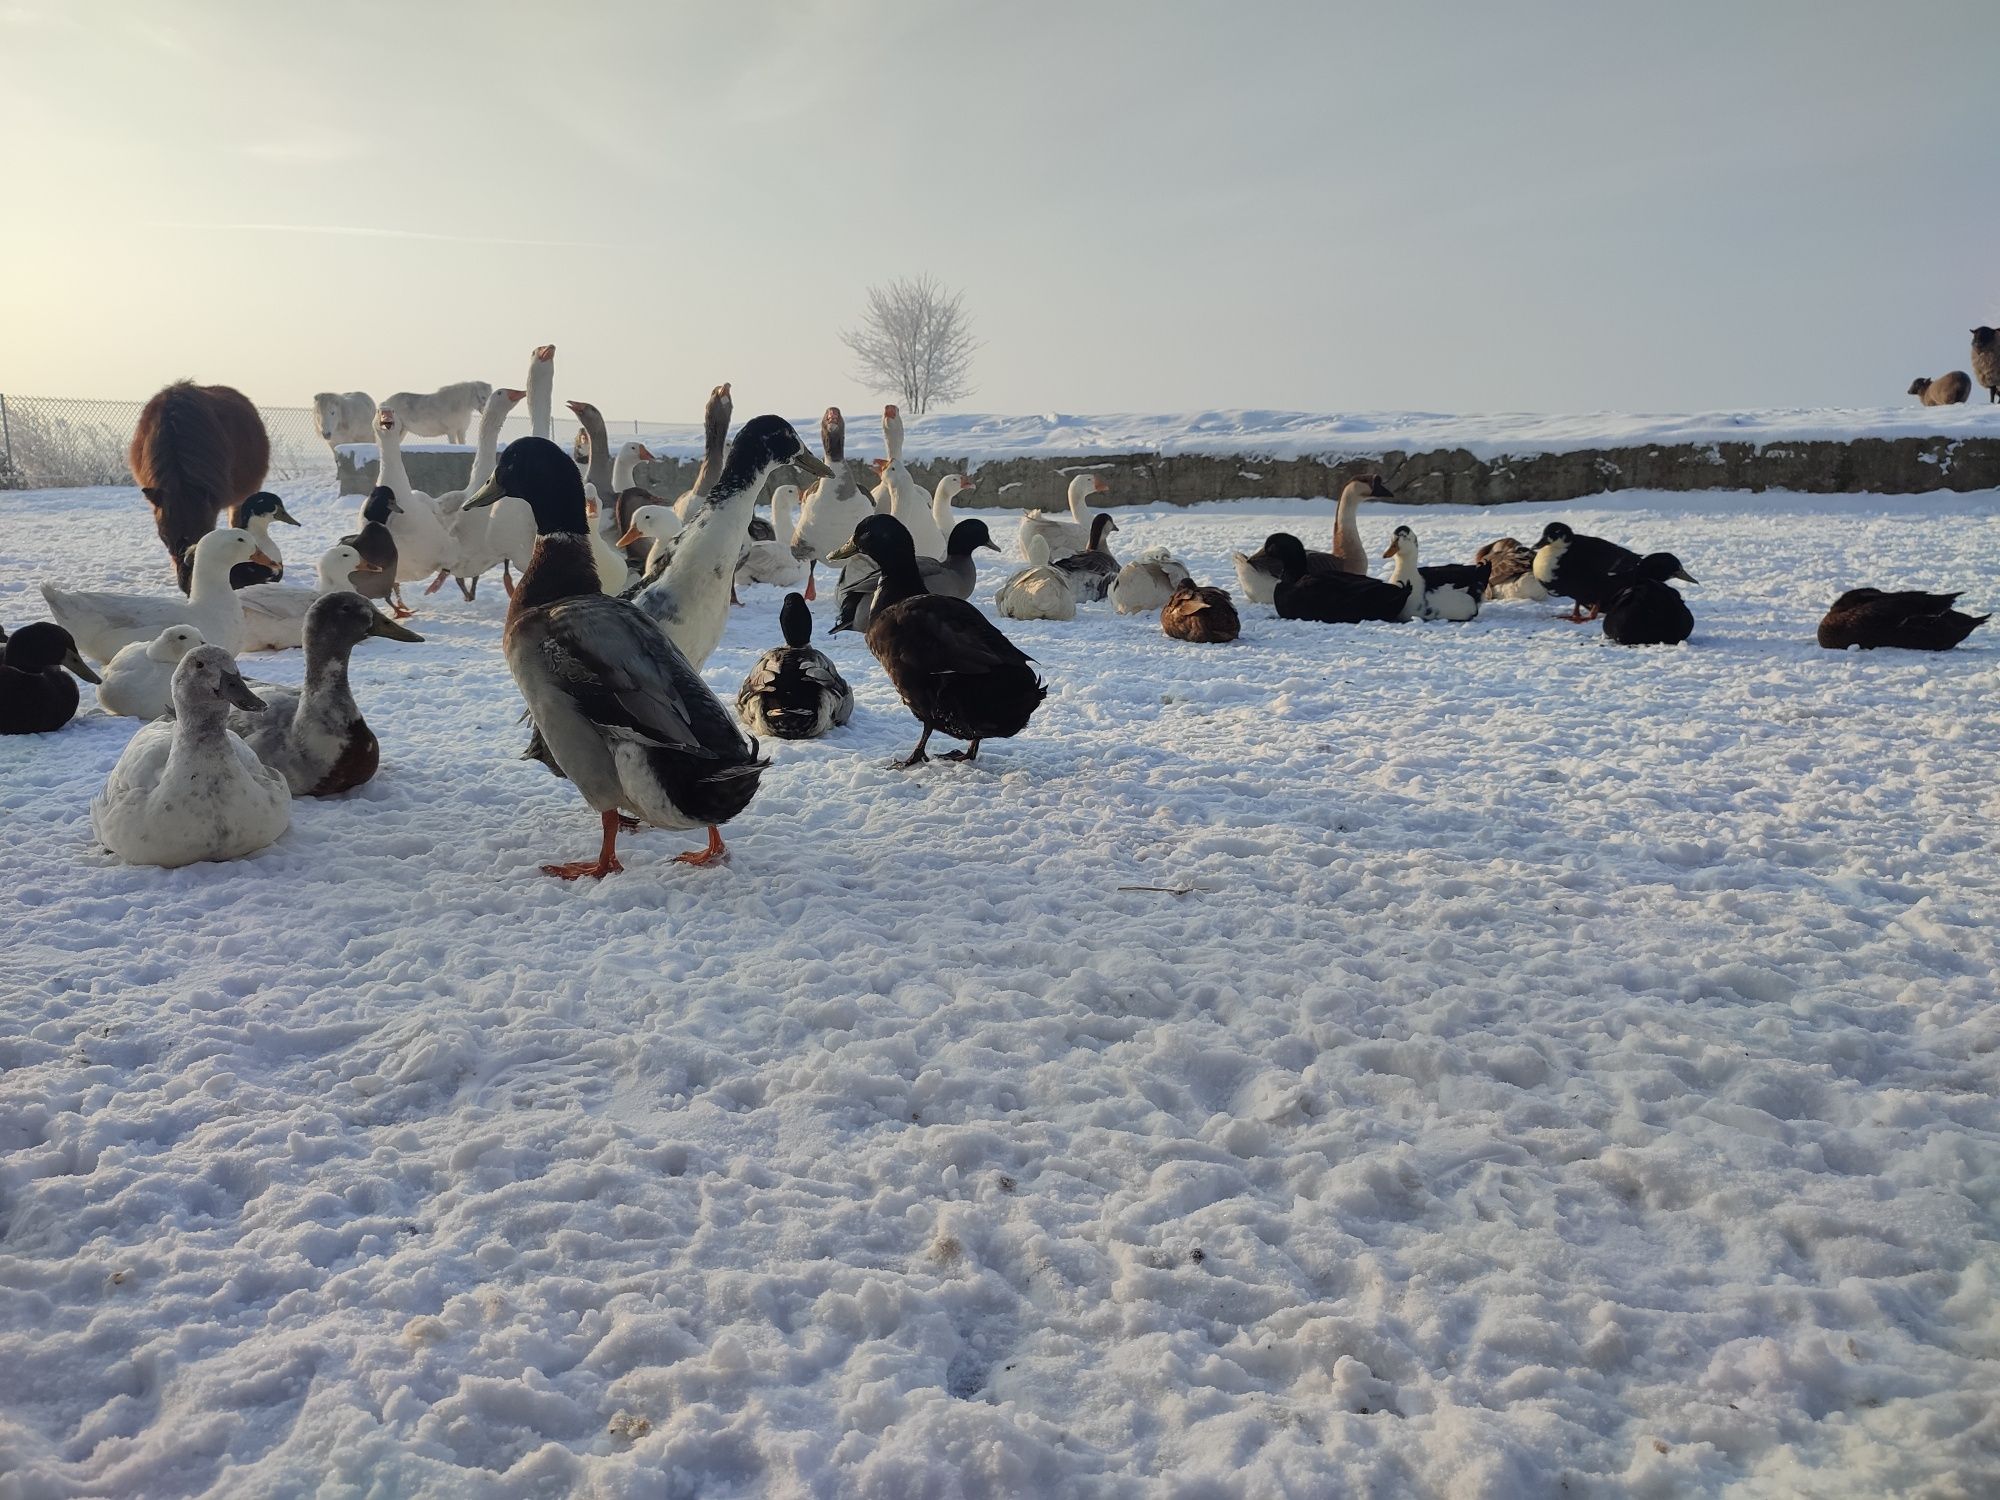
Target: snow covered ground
{"points": [[1570, 1071]]}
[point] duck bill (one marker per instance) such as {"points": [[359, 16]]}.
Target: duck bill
{"points": [[263, 559], [487, 494], [382, 625], [1390, 550], [1685, 576], [631, 538], [366, 567], [281, 514], [73, 661], [237, 691], [807, 463], [845, 550]]}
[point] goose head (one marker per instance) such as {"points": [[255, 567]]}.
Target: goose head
{"points": [[337, 563], [207, 681], [761, 445], [630, 456], [43, 645], [388, 426], [1555, 534], [340, 621], [833, 435], [173, 643], [654, 523], [544, 354], [537, 471], [892, 432], [967, 537], [1366, 487]]}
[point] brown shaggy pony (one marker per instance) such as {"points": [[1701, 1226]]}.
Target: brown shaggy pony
{"points": [[199, 449]]}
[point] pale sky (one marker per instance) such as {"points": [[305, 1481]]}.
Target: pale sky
{"points": [[1149, 206]]}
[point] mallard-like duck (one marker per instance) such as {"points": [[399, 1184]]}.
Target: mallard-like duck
{"points": [[689, 602], [1428, 600], [186, 789], [1039, 591], [1091, 570], [138, 682], [1579, 568], [1643, 609], [1911, 620], [1510, 570], [1195, 612], [101, 623], [794, 692], [255, 514], [955, 575], [314, 735], [1332, 599], [375, 578], [1147, 582], [951, 665], [37, 691], [616, 705]]}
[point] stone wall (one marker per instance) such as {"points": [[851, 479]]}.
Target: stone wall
{"points": [[1889, 466]]}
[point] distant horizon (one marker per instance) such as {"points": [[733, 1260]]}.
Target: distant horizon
{"points": [[1149, 208]]}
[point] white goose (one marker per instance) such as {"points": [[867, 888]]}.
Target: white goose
{"points": [[138, 683], [901, 496], [103, 623], [943, 516], [1065, 537], [776, 561], [487, 537], [186, 789], [541, 389], [274, 614], [1038, 591], [833, 507], [423, 546], [1448, 602]]}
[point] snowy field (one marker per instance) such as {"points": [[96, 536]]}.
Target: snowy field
{"points": [[1570, 1071]]}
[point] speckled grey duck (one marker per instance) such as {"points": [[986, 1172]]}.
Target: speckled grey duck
{"points": [[618, 708], [795, 692]]}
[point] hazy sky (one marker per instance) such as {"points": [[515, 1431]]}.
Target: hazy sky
{"points": [[1150, 206]]}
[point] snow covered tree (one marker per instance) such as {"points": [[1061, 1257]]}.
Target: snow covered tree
{"points": [[915, 339]]}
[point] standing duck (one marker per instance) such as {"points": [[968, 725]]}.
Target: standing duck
{"points": [[689, 602], [1911, 620], [102, 623], [314, 735], [833, 507], [1147, 582], [1579, 568], [423, 545], [1643, 609], [616, 706], [1039, 591], [375, 545], [186, 789], [950, 664], [955, 576], [138, 682], [1091, 570], [1510, 570], [1198, 613], [901, 496], [255, 515], [795, 692], [37, 691], [1347, 548], [1333, 599], [1444, 600], [1064, 537]]}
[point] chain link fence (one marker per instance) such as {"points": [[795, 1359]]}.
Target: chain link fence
{"points": [[51, 443]]}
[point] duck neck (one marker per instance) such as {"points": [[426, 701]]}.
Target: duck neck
{"points": [[942, 513], [781, 514], [624, 470], [330, 580], [1079, 506], [326, 680], [563, 567], [211, 578], [901, 579], [200, 731], [390, 443]]}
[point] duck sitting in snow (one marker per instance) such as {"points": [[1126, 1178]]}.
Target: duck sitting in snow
{"points": [[615, 704], [1332, 599], [1194, 612], [794, 692], [1147, 582], [37, 691], [1510, 570], [1445, 601], [138, 682], [1091, 570], [1579, 568], [1644, 609], [100, 623], [314, 735], [186, 789], [1911, 620], [1038, 591]]}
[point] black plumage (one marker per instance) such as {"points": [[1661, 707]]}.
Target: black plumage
{"points": [[1472, 577], [794, 692], [1643, 608], [37, 691], [954, 669], [1202, 614], [1091, 570], [1330, 598], [376, 545], [1912, 620], [1580, 568]]}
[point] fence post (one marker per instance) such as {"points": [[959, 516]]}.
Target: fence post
{"points": [[6, 438]]}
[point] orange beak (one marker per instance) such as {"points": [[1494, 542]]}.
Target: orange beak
{"points": [[262, 561], [546, 352], [1390, 551], [367, 567], [1100, 488], [647, 454], [513, 395], [888, 411], [881, 465], [630, 539]]}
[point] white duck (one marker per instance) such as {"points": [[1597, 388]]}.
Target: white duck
{"points": [[1038, 591], [943, 516], [1064, 537], [274, 614], [778, 561], [103, 623], [833, 507], [423, 546], [1147, 582], [614, 573], [490, 536], [186, 789], [899, 495], [138, 682], [656, 524], [1448, 602]]}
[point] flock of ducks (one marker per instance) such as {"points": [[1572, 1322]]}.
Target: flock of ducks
{"points": [[622, 596]]}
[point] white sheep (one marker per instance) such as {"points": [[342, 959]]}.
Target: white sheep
{"points": [[447, 412], [345, 416]]}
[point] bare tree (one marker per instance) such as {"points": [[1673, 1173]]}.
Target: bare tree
{"points": [[916, 340]]}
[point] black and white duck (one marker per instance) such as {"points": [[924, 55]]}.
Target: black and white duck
{"points": [[795, 692], [614, 702], [255, 514], [1330, 598], [952, 666], [1643, 608], [1910, 619], [1579, 568]]}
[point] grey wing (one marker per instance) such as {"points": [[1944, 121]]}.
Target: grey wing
{"points": [[621, 673]]}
